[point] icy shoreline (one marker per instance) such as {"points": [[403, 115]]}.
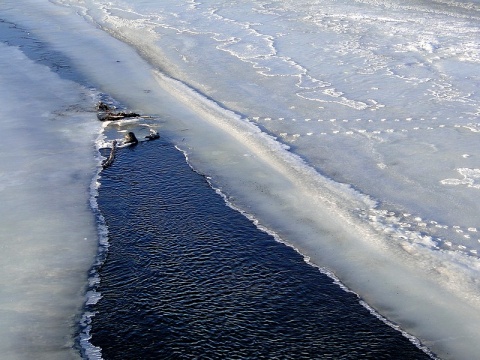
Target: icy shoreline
{"points": [[219, 144]]}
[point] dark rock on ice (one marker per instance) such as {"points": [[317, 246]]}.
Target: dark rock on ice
{"points": [[108, 162], [153, 135], [103, 107], [106, 113], [130, 138], [112, 116]]}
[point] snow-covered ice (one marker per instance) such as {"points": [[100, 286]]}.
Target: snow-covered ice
{"points": [[348, 128]]}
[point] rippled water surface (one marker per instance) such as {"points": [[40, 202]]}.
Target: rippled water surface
{"points": [[188, 277]]}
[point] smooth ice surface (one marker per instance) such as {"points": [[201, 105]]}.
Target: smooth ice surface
{"points": [[48, 236], [349, 128]]}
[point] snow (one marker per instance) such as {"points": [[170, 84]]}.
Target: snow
{"points": [[360, 121]]}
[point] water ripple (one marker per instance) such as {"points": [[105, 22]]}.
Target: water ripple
{"points": [[188, 277]]}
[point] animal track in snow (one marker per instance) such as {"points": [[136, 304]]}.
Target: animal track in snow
{"points": [[333, 126], [471, 178], [414, 229]]}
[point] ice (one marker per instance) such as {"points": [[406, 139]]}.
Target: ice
{"points": [[48, 235], [379, 186]]}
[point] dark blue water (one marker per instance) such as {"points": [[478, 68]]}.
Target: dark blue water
{"points": [[187, 277]]}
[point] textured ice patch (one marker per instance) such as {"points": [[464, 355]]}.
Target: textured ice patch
{"points": [[471, 178]]}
